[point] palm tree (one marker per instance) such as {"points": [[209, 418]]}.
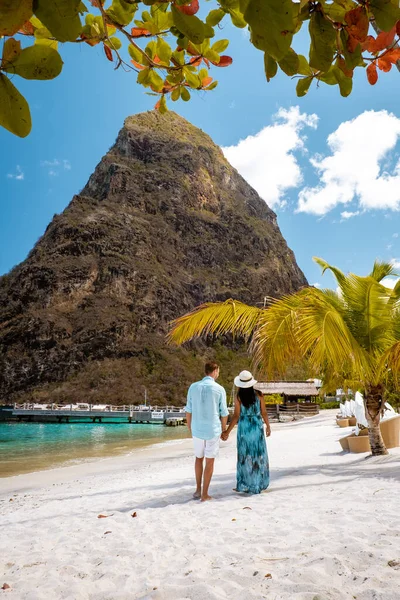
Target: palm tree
{"points": [[350, 337]]}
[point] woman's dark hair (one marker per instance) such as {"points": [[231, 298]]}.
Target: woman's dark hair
{"points": [[247, 396]]}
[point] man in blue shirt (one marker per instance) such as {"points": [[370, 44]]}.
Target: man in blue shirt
{"points": [[207, 417]]}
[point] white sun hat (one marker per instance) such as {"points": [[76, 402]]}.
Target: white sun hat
{"points": [[244, 380]]}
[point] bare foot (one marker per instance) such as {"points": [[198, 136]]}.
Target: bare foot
{"points": [[205, 498], [197, 495]]}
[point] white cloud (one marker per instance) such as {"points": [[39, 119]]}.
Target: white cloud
{"points": [[18, 175], [55, 165], [395, 235], [389, 282], [396, 263], [267, 160], [50, 163], [316, 285], [348, 215], [358, 167]]}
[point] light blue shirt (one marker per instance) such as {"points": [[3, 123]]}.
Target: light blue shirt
{"points": [[206, 401]]}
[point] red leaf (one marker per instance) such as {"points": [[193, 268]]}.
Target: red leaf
{"points": [[138, 65], [206, 81], [385, 39], [369, 44], [342, 65], [398, 27], [372, 74], [90, 41], [156, 106], [224, 61], [207, 62], [384, 65], [104, 516], [189, 9], [357, 23], [134, 514], [195, 61], [392, 56], [5, 586], [139, 31], [27, 28], [108, 52]]}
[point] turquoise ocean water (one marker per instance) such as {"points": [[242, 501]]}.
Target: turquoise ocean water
{"points": [[26, 447]]}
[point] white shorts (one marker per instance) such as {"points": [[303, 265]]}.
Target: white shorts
{"points": [[206, 448]]}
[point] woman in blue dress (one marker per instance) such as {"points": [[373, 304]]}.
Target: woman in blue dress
{"points": [[252, 456]]}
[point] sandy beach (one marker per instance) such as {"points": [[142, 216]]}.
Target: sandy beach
{"points": [[328, 527]]}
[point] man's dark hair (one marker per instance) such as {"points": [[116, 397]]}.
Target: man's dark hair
{"points": [[210, 367]]}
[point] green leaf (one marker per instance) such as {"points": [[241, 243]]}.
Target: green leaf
{"points": [[36, 62], [271, 23], [303, 85], [345, 83], [144, 77], [215, 16], [192, 79], [157, 83], [189, 25], [290, 63], [61, 17], [220, 46], [323, 39], [179, 57], [122, 12], [211, 55], [14, 110], [151, 49], [13, 14], [329, 77], [304, 67], [270, 66], [164, 51], [163, 105], [135, 54], [175, 94], [386, 13], [352, 59], [237, 19], [114, 43], [185, 94], [46, 42], [337, 10], [212, 86]]}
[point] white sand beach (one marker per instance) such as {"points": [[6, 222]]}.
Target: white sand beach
{"points": [[328, 527]]}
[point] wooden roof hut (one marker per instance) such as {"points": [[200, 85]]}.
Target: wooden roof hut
{"points": [[291, 391]]}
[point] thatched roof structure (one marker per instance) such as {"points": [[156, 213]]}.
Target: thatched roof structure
{"points": [[288, 388]]}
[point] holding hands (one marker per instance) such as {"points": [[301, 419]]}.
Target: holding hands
{"points": [[225, 435]]}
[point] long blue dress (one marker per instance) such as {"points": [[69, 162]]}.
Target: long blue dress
{"points": [[252, 456]]}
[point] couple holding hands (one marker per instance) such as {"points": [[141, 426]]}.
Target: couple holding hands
{"points": [[207, 420]]}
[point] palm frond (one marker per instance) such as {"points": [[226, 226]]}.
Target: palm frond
{"points": [[381, 270], [390, 360], [217, 318], [274, 344], [338, 274], [369, 314], [324, 336]]}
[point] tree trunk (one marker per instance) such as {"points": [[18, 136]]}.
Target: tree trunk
{"points": [[373, 407]]}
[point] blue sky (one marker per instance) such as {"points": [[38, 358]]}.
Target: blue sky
{"points": [[76, 119]]}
